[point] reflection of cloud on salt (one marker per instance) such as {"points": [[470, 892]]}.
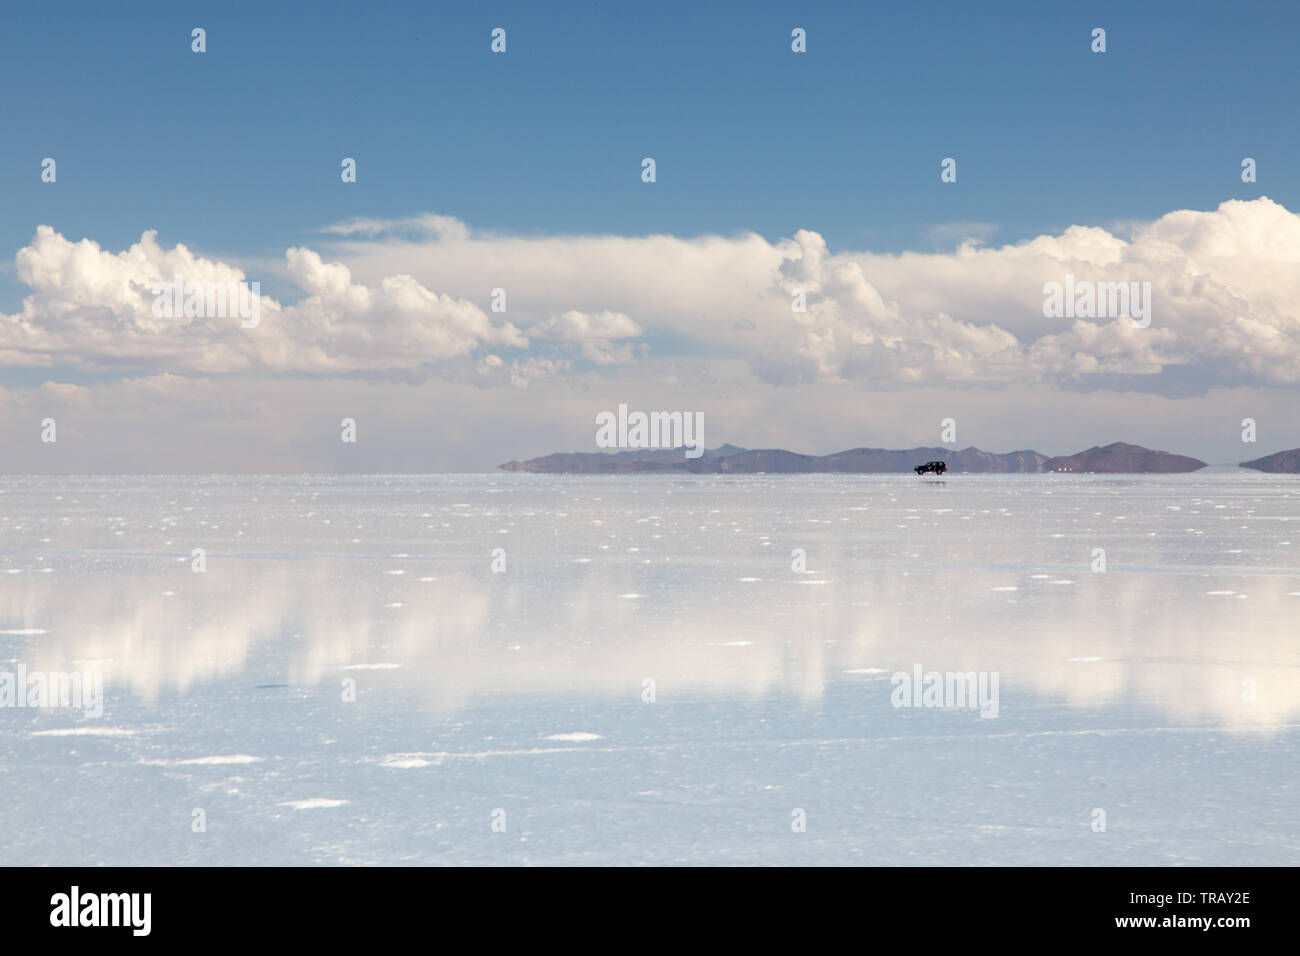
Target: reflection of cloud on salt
{"points": [[1146, 635]]}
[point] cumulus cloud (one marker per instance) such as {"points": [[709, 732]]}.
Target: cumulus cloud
{"points": [[520, 372], [1223, 287], [399, 296], [91, 308], [343, 326], [594, 334]]}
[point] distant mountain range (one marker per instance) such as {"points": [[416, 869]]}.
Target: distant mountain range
{"points": [[1116, 458]]}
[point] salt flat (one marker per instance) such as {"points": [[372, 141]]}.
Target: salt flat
{"points": [[653, 669]]}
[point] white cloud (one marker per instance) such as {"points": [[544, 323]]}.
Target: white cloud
{"points": [[91, 309], [1225, 287], [429, 225], [398, 297], [594, 333]]}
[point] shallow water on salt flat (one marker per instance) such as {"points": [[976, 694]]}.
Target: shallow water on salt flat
{"points": [[770, 613]]}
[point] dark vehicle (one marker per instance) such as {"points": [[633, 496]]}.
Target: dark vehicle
{"points": [[937, 467]]}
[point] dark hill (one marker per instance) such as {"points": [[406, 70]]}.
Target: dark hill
{"points": [[1117, 458], [1281, 462], [1121, 458]]}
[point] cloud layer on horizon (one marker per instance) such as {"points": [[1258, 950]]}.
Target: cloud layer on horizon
{"points": [[412, 298]]}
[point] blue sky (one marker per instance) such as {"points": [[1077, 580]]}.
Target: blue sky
{"points": [[237, 150], [832, 157]]}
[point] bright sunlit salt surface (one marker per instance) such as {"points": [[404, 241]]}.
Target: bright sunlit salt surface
{"points": [[1161, 691]]}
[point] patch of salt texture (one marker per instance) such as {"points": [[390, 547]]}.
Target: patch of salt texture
{"points": [[314, 803], [219, 760], [406, 761]]}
